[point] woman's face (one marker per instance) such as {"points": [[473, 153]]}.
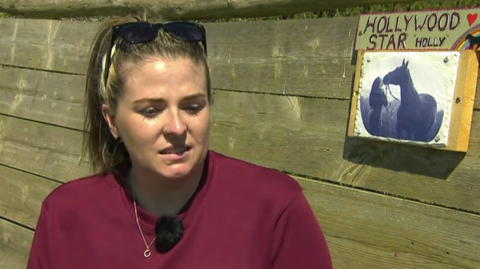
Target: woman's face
{"points": [[163, 117]]}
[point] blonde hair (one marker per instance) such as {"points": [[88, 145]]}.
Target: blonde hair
{"points": [[102, 149]]}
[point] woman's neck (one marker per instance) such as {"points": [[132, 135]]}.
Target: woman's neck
{"points": [[163, 196]]}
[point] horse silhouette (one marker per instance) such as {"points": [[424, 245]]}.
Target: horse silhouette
{"points": [[377, 101], [473, 41], [416, 113]]}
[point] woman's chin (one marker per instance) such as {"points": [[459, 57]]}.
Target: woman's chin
{"points": [[175, 171], [179, 169]]}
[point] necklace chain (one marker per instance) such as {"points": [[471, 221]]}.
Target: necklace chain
{"points": [[147, 251]]}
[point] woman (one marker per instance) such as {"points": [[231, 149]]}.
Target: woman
{"points": [[160, 198]]}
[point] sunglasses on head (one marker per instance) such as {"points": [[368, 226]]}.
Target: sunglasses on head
{"points": [[144, 32]]}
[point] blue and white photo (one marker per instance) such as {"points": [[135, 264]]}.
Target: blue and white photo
{"points": [[406, 96]]}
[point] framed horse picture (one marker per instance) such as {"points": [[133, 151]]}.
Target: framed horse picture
{"points": [[422, 98]]}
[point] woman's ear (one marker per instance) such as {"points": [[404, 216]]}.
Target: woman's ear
{"points": [[109, 117]]}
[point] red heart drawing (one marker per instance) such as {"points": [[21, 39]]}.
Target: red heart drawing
{"points": [[472, 18]]}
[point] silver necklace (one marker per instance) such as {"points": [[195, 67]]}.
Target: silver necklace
{"points": [[147, 251]]}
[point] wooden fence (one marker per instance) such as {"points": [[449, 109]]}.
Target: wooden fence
{"points": [[282, 92], [178, 9]]}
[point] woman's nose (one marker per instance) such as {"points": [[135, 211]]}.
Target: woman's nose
{"points": [[174, 124]]}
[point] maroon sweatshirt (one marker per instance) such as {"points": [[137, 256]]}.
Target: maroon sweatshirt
{"points": [[242, 217]]}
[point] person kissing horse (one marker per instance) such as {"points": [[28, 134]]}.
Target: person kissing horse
{"points": [[417, 112], [377, 100]]}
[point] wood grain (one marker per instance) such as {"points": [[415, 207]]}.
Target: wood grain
{"points": [[177, 9], [313, 57], [41, 149], [365, 229], [307, 136], [22, 195], [47, 97], [46, 44], [15, 244], [468, 76], [298, 57]]}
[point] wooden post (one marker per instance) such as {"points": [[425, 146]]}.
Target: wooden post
{"points": [[177, 9]]}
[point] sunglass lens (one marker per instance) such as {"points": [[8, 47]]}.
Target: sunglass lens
{"points": [[185, 32], [138, 33]]}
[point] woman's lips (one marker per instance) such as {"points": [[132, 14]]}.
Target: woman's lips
{"points": [[175, 153]]}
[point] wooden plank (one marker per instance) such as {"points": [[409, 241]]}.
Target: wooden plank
{"points": [[317, 52], [46, 44], [45, 150], [177, 9], [43, 96], [15, 242], [476, 104], [267, 40], [22, 195], [308, 137], [376, 231], [296, 57]]}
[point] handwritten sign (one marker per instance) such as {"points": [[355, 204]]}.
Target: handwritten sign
{"points": [[455, 29]]}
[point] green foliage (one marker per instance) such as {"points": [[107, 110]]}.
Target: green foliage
{"points": [[416, 6]]}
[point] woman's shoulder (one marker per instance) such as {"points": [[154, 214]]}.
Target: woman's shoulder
{"points": [[243, 175], [82, 189]]}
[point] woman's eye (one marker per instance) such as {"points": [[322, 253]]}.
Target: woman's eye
{"points": [[150, 112], [193, 108]]}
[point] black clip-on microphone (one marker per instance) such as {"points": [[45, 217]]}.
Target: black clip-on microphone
{"points": [[169, 230]]}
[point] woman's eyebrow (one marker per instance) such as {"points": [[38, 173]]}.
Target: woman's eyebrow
{"points": [[149, 100], [194, 96], [159, 100]]}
